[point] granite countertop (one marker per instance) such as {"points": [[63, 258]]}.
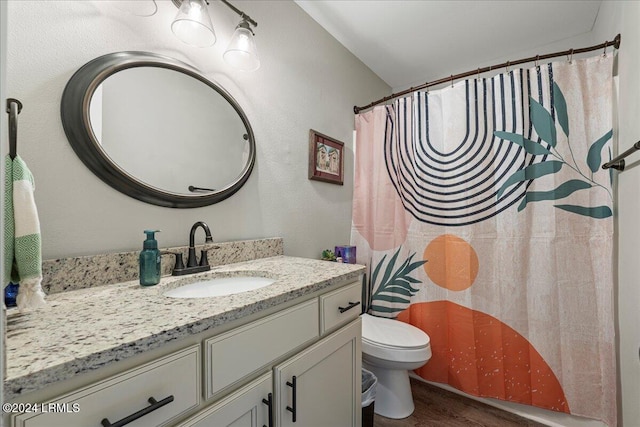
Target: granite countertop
{"points": [[83, 330]]}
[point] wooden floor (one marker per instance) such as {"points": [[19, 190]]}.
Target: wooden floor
{"points": [[440, 408]]}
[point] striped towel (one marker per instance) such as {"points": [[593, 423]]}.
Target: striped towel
{"points": [[22, 243]]}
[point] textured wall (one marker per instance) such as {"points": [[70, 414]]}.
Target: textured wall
{"points": [[624, 17], [307, 80]]}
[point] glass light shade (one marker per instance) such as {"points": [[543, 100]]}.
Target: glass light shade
{"points": [[193, 25], [242, 52]]}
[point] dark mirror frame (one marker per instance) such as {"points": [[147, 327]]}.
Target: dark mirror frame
{"points": [[74, 111]]}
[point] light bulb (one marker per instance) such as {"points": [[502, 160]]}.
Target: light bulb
{"points": [[193, 25], [242, 52]]}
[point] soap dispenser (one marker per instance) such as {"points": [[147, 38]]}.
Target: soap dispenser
{"points": [[150, 260]]}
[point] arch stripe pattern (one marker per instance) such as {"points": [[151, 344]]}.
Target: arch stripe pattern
{"points": [[447, 176]]}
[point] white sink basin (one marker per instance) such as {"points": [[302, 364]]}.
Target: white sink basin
{"points": [[220, 286]]}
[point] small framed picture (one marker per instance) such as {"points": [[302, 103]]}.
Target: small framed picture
{"points": [[326, 158]]}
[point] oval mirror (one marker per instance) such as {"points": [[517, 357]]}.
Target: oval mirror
{"points": [[156, 129]]}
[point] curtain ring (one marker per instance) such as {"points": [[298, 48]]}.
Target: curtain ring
{"points": [[478, 76], [451, 80], [571, 56], [604, 52], [537, 59], [507, 67]]}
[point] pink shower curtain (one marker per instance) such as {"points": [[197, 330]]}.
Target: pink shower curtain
{"points": [[485, 219]]}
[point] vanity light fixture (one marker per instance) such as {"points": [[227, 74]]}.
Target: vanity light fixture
{"points": [[242, 53], [193, 26]]}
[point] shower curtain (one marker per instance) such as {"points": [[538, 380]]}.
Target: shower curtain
{"points": [[485, 219]]}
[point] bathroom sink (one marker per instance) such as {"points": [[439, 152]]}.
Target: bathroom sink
{"points": [[219, 286]]}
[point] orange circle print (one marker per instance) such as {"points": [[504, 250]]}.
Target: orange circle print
{"points": [[452, 262]]}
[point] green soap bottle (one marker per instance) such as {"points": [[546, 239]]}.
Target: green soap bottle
{"points": [[150, 260]]}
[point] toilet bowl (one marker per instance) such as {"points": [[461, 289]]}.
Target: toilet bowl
{"points": [[390, 349]]}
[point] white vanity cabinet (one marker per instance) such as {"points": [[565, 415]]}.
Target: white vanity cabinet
{"points": [[319, 385], [301, 361]]}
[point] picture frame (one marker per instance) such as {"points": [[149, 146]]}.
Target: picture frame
{"points": [[326, 158]]}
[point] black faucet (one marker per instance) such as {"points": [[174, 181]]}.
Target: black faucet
{"points": [[193, 266]]}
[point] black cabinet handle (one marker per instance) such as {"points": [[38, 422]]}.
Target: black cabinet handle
{"points": [[292, 408], [269, 402], [349, 307], [141, 413]]}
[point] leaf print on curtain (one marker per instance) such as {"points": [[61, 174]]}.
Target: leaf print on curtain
{"points": [[396, 287], [544, 125], [486, 221]]}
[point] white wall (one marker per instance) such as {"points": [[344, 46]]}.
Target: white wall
{"points": [[624, 17], [307, 80]]}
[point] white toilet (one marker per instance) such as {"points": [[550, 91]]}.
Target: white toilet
{"points": [[390, 349]]}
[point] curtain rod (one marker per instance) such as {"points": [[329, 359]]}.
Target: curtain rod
{"points": [[615, 43], [178, 3]]}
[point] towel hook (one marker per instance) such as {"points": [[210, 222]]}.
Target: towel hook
{"points": [[14, 107]]}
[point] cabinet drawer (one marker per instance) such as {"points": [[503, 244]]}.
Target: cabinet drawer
{"points": [[340, 306], [232, 356], [176, 375]]}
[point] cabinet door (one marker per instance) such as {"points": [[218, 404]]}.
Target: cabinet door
{"points": [[326, 390], [247, 407]]}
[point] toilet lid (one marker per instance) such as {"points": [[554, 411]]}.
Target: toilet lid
{"points": [[392, 333]]}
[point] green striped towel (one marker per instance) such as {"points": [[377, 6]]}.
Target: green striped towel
{"points": [[22, 243]]}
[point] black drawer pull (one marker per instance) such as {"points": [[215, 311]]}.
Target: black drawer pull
{"points": [[141, 413], [292, 408], [269, 402], [349, 307]]}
